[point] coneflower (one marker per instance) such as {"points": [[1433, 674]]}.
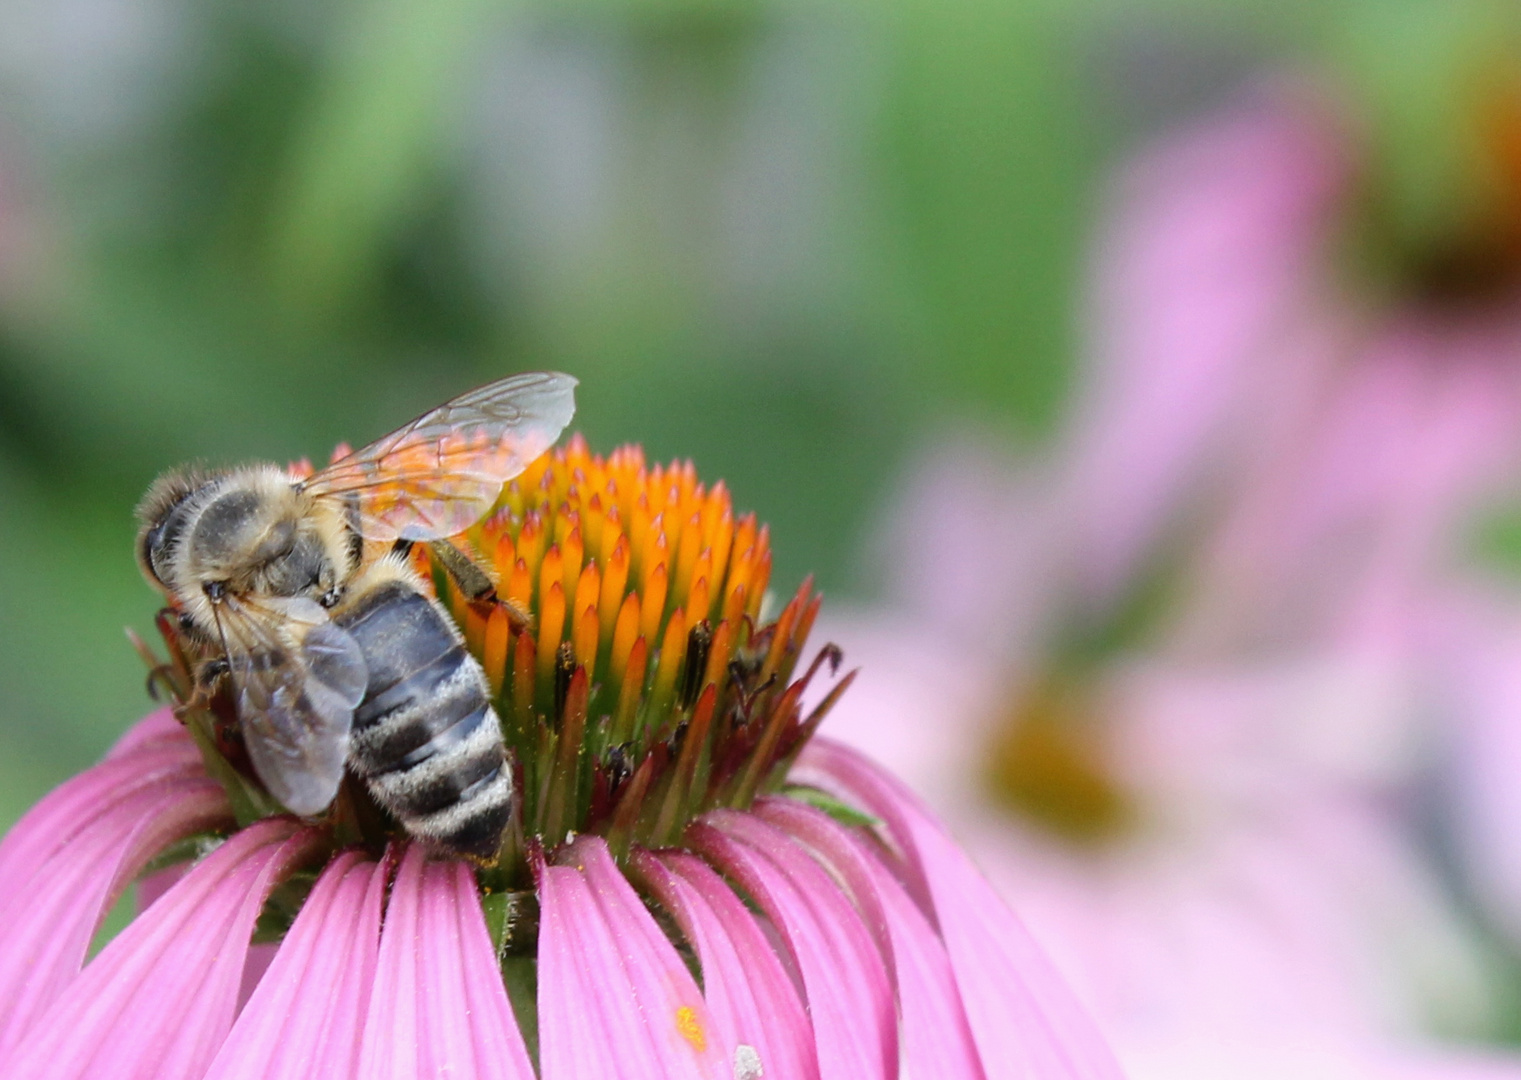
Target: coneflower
{"points": [[692, 886]]}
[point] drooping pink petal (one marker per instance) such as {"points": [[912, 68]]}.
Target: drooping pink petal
{"points": [[679, 1022], [46, 932], [844, 976], [937, 1040], [612, 1003], [752, 998], [307, 1014], [260, 955], [1025, 1019], [159, 999], [158, 726], [72, 806], [439, 1007]]}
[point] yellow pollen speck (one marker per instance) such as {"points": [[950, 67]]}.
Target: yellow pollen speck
{"points": [[691, 1028]]}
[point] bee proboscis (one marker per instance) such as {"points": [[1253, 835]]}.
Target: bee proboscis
{"points": [[342, 661]]}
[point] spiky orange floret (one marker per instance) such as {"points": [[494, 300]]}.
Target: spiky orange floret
{"points": [[645, 689]]}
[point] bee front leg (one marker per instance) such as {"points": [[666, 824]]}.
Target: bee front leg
{"points": [[208, 676]]}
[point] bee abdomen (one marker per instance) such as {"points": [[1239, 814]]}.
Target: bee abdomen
{"points": [[425, 738]]}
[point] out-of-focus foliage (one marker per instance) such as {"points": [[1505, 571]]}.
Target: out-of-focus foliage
{"points": [[788, 240]]}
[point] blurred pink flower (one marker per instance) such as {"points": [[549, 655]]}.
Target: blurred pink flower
{"points": [[1261, 900], [1331, 433], [1211, 817], [858, 958], [1238, 874]]}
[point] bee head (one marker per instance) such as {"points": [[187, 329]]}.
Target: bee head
{"points": [[163, 514]]}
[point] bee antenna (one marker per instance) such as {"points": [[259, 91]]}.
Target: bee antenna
{"points": [[216, 617]]}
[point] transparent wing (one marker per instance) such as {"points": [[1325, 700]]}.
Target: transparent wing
{"points": [[298, 679], [438, 475]]}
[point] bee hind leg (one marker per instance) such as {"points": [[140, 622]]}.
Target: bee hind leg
{"points": [[474, 582]]}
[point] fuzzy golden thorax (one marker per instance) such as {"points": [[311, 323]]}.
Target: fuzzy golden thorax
{"points": [[244, 532]]}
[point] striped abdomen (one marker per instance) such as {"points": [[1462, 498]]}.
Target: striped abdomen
{"points": [[425, 739]]}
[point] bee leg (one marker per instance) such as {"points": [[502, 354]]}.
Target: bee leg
{"points": [[474, 581], [161, 677], [208, 675]]}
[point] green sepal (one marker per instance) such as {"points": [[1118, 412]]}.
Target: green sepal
{"points": [[844, 813], [521, 976], [282, 907], [191, 849], [497, 908]]}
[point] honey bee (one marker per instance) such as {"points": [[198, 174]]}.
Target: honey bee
{"points": [[338, 658]]}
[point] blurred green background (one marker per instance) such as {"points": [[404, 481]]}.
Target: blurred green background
{"points": [[791, 241]]}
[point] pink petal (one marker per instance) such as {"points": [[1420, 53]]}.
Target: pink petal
{"points": [[157, 727], [306, 1016], [46, 932], [847, 985], [439, 1007], [615, 1000], [1025, 1019], [752, 998], [255, 964], [659, 977], [937, 1041], [71, 807], [1213, 252], [158, 1000]]}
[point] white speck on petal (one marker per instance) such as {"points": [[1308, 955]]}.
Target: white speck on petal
{"points": [[747, 1063]]}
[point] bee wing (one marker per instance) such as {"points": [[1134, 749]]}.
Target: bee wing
{"points": [[439, 475], [298, 679]]}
